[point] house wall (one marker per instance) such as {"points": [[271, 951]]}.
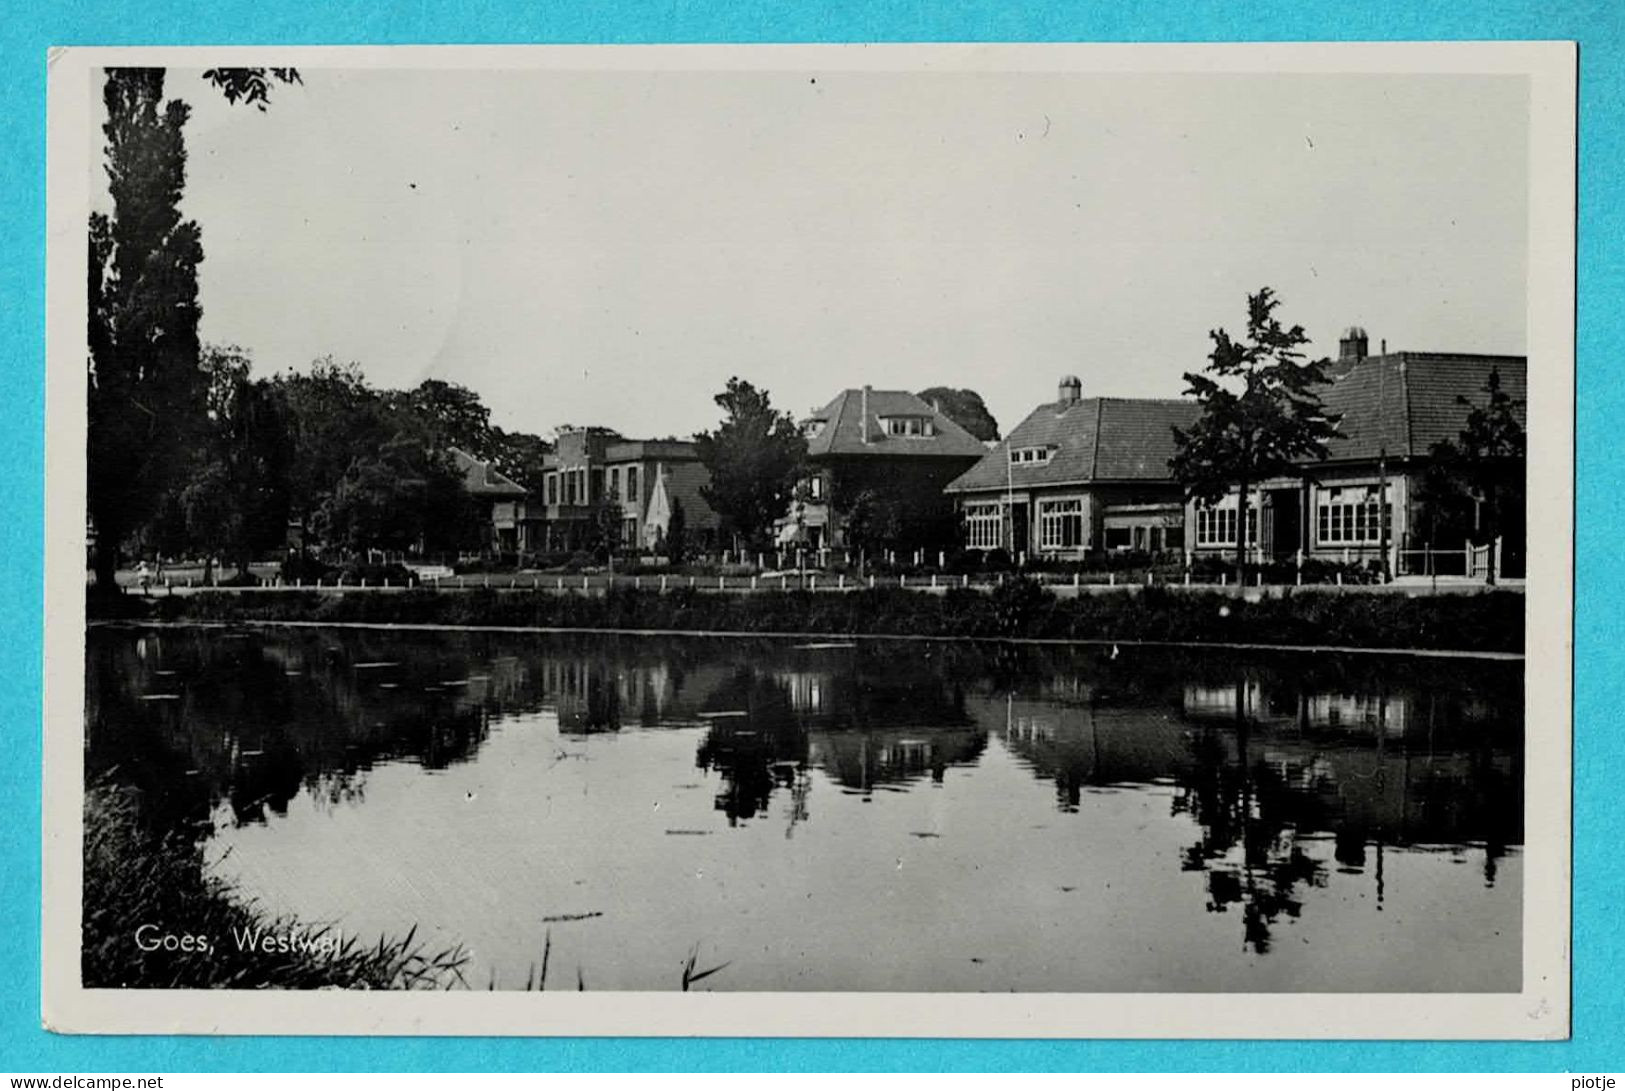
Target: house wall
{"points": [[1150, 512]]}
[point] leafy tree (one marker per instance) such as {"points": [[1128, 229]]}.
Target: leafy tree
{"points": [[405, 498], [965, 408], [520, 455], [333, 417], [236, 501], [1260, 414], [754, 458], [1483, 466], [145, 399], [251, 86], [448, 414]]}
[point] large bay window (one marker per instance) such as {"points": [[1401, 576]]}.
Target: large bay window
{"points": [[1352, 515], [1216, 526], [984, 526], [1060, 525]]}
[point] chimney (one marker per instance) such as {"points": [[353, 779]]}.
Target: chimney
{"points": [[863, 417], [1354, 344], [1071, 390]]}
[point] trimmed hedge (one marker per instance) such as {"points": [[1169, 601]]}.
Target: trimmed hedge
{"points": [[1484, 621]]}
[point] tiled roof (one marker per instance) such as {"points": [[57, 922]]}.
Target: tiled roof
{"points": [[480, 479], [843, 431], [1094, 439], [1406, 401]]}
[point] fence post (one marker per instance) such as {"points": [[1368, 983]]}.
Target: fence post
{"points": [[298, 584], [933, 581], [1111, 579], [692, 581], [1148, 577], [753, 583], [967, 579], [662, 583], [1187, 577], [1224, 579], [814, 585], [584, 582], [487, 581], [871, 583], [1340, 578], [841, 581], [720, 582], [1077, 580]]}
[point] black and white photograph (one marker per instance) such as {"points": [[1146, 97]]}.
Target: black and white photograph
{"points": [[963, 540]]}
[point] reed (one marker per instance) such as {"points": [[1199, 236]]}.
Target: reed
{"points": [[141, 886]]}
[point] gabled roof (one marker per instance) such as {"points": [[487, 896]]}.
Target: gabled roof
{"points": [[481, 479], [1093, 439], [845, 425], [1405, 402]]}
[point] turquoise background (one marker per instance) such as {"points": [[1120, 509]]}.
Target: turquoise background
{"points": [[26, 31]]}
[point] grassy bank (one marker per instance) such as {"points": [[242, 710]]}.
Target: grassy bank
{"points": [[1491, 621], [154, 917]]}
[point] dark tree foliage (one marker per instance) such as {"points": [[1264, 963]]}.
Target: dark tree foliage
{"points": [[447, 414], [890, 507], [251, 86], [965, 408], [1481, 471], [235, 499], [405, 497], [146, 392], [1261, 413], [754, 458], [333, 418], [521, 456]]}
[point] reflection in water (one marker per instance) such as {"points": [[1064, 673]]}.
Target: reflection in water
{"points": [[1282, 775]]}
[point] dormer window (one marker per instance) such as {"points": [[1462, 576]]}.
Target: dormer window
{"points": [[811, 428], [909, 427], [1027, 456]]}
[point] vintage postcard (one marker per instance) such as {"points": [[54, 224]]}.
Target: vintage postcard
{"points": [[998, 540]]}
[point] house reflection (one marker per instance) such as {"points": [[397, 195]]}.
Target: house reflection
{"points": [[1288, 770]]}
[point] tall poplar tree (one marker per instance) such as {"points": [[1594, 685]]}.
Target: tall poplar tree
{"points": [[146, 392]]}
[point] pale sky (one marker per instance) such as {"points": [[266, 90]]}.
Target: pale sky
{"points": [[609, 248]]}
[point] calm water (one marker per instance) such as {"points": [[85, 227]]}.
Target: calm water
{"points": [[833, 816]]}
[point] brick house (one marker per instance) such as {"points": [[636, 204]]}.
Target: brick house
{"points": [[1079, 475], [1393, 408], [876, 442], [648, 479], [500, 501]]}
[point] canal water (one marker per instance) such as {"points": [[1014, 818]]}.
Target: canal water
{"points": [[825, 815]]}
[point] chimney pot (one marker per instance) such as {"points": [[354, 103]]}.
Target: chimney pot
{"points": [[1354, 344], [1071, 390]]}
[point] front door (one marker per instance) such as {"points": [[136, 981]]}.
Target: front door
{"points": [[1018, 529], [1286, 530]]}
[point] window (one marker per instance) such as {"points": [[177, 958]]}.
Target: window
{"points": [[1217, 526], [984, 526], [1118, 537], [811, 428], [552, 488], [916, 427], [815, 487], [1352, 515], [1060, 525], [633, 493], [614, 482], [1027, 455]]}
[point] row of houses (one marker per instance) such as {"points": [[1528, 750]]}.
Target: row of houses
{"points": [[1078, 476]]}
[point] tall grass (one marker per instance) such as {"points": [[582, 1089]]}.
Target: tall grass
{"points": [[157, 884], [1487, 621]]}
